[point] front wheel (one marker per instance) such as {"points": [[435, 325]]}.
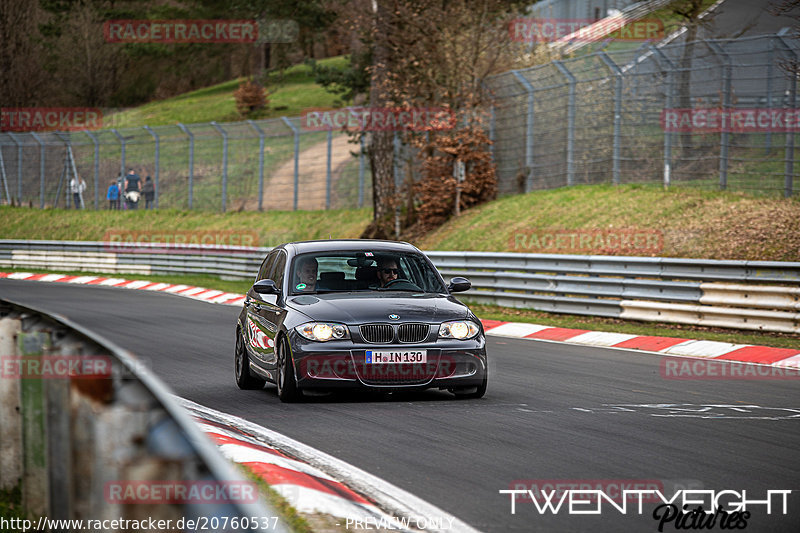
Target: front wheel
{"points": [[473, 393], [288, 391], [244, 379]]}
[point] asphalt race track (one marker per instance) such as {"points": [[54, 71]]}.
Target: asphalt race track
{"points": [[552, 412]]}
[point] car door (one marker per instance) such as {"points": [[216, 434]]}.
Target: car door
{"points": [[265, 314], [257, 330]]}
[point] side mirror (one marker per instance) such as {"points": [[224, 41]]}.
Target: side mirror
{"points": [[459, 284], [266, 286]]}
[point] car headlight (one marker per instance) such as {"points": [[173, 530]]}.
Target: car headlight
{"points": [[323, 331], [458, 329]]}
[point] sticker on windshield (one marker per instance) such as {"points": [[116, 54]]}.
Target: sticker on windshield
{"points": [[300, 286], [368, 254]]}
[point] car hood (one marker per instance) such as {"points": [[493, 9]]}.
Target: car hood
{"points": [[361, 308]]}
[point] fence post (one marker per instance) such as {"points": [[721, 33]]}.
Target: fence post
{"points": [[41, 168], [4, 176], [529, 158], [570, 122], [157, 161], [361, 172], [19, 167], [224, 163], [770, 74], [617, 113], [296, 157], [93, 137], [122, 160], [788, 173], [659, 57], [260, 163], [328, 171], [185, 130], [724, 140]]}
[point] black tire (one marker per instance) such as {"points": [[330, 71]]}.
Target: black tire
{"points": [[288, 392], [472, 393], [244, 379]]}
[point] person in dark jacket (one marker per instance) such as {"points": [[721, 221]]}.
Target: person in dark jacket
{"points": [[132, 189], [149, 191]]}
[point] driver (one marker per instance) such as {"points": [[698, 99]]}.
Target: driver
{"points": [[387, 270]]}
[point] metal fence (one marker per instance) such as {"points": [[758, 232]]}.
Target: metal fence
{"points": [[250, 165], [598, 118], [592, 119]]}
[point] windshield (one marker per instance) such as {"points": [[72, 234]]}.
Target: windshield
{"points": [[363, 271]]}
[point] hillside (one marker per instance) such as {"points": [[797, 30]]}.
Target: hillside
{"points": [[681, 222]]}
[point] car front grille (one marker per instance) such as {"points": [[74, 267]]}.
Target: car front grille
{"points": [[412, 332], [377, 333]]}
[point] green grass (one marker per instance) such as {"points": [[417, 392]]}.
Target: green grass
{"points": [[288, 95], [272, 227], [694, 223]]}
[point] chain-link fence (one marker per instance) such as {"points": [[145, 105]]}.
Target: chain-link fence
{"points": [[250, 165], [717, 114]]}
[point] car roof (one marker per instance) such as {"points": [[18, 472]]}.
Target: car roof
{"points": [[328, 245]]}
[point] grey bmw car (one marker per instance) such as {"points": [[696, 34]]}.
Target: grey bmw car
{"points": [[357, 314]]}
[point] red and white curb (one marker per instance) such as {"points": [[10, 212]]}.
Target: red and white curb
{"points": [[315, 482], [196, 293], [745, 353]]}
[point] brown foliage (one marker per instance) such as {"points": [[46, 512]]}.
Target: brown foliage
{"points": [[436, 191], [249, 97]]}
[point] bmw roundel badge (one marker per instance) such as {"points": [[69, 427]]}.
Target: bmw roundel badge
{"points": [[394, 317]]}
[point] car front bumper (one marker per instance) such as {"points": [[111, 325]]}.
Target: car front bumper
{"points": [[451, 364]]}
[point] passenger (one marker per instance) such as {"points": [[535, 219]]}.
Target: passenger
{"points": [[305, 274]]}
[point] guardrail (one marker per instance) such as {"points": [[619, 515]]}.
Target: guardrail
{"points": [[88, 430], [760, 295]]}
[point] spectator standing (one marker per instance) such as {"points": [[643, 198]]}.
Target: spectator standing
{"points": [[113, 195], [77, 186], [149, 191], [132, 189]]}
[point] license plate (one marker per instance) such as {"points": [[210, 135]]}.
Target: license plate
{"points": [[400, 356]]}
